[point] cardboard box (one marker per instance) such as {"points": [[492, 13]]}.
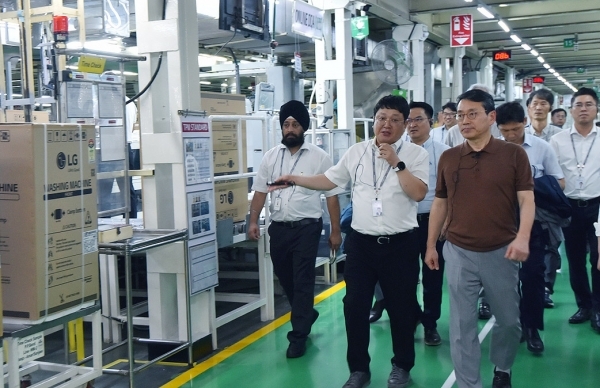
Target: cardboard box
{"points": [[18, 116], [222, 103], [225, 136], [48, 218], [226, 162], [231, 199]]}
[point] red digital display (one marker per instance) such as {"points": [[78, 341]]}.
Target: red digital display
{"points": [[502, 55], [538, 80]]}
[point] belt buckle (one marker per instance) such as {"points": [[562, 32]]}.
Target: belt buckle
{"points": [[383, 240], [582, 203]]}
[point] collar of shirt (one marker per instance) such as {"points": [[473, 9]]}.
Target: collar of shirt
{"points": [[574, 131], [527, 141], [491, 147], [394, 146]]}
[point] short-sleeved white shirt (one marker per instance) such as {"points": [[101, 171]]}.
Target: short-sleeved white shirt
{"points": [[296, 202], [547, 132], [357, 166], [542, 157]]}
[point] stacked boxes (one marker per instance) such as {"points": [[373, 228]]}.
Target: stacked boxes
{"points": [[231, 196], [48, 218]]}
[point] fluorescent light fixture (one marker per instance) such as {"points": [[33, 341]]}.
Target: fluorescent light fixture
{"points": [[484, 11], [503, 25], [204, 82], [540, 59], [534, 53], [551, 70], [547, 66], [224, 84], [515, 38], [526, 47], [468, 1]]}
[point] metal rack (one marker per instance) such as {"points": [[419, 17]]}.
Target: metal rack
{"points": [[144, 240], [71, 376]]}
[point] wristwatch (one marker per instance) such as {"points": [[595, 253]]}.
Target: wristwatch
{"points": [[399, 167]]}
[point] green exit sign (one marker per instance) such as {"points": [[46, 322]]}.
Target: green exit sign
{"points": [[581, 70], [569, 43]]}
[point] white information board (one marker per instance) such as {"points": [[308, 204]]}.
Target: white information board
{"points": [[80, 100]]}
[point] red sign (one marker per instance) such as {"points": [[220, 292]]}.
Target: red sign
{"points": [[527, 85], [194, 127], [461, 30], [538, 80], [502, 55]]}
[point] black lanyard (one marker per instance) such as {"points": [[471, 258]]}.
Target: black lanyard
{"points": [[580, 167], [295, 163], [386, 172]]}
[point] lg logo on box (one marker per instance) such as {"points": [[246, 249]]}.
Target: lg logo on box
{"points": [[63, 160]]}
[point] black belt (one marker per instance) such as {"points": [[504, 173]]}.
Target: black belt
{"points": [[294, 224], [422, 217], [584, 202], [388, 239]]}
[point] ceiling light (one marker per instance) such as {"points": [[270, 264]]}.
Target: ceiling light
{"points": [[551, 70], [547, 66], [526, 46], [534, 53], [484, 11], [204, 82], [515, 38], [502, 5], [503, 25], [468, 1], [540, 59]]}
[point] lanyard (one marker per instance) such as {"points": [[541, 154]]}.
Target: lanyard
{"points": [[582, 166], [386, 172], [295, 163]]}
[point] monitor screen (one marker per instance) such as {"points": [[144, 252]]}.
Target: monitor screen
{"points": [[249, 17]]}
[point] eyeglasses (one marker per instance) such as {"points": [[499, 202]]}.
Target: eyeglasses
{"points": [[294, 125], [393, 121], [587, 105], [416, 120], [471, 115]]}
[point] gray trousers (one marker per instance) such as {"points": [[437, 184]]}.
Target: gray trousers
{"points": [[466, 273]]}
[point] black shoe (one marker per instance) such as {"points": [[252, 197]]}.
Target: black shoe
{"points": [[358, 380], [484, 310], [399, 378], [580, 316], [501, 380], [432, 337], [376, 311], [296, 349], [548, 302], [315, 316], [534, 341], [595, 320]]}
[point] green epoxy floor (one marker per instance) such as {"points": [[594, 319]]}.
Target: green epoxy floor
{"points": [[571, 359]]}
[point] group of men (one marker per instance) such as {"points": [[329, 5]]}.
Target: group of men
{"points": [[469, 208]]}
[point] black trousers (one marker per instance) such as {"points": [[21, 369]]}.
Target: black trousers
{"points": [[293, 252], [395, 264], [531, 275], [577, 235], [433, 280]]}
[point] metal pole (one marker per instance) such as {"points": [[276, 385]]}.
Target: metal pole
{"points": [[128, 182], [129, 315]]}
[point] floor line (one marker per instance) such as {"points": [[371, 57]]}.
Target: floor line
{"points": [[233, 349], [484, 332]]}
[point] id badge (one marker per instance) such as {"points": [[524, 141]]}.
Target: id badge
{"points": [[377, 207], [580, 182], [277, 204]]}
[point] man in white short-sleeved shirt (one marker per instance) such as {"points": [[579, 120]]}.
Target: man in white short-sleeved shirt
{"points": [[296, 221], [388, 176]]}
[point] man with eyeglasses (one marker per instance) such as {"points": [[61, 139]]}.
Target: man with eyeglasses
{"points": [[481, 186], [539, 105], [455, 137], [296, 221], [558, 117], [577, 149], [388, 176], [511, 121], [440, 133]]}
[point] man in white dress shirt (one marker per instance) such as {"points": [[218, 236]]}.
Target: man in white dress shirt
{"points": [[539, 105], [440, 133], [388, 176], [577, 149], [296, 222]]}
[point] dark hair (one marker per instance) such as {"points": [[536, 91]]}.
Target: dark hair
{"points": [[450, 105], [477, 95], [510, 112], [555, 111], [542, 94], [393, 102], [423, 105], [584, 92]]}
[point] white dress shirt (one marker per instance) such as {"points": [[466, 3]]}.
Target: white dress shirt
{"points": [[549, 131], [435, 150], [439, 134], [357, 166], [573, 149], [542, 157], [296, 202]]}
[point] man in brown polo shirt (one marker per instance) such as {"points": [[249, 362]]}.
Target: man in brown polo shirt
{"points": [[482, 185]]}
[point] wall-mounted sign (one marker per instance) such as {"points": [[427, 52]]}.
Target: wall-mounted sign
{"points": [[538, 80], [501, 55], [461, 30], [307, 20]]}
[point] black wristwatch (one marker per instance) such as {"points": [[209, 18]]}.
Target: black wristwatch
{"points": [[399, 167]]}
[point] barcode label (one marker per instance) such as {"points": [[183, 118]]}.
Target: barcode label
{"points": [[90, 241]]}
